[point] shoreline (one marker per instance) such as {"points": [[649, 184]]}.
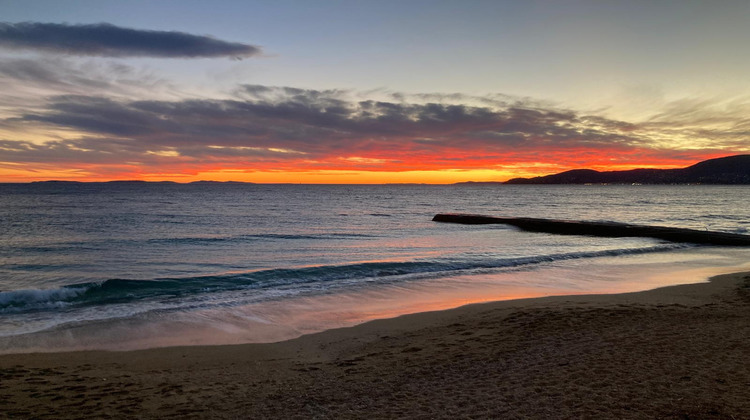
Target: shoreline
{"points": [[272, 321], [675, 352]]}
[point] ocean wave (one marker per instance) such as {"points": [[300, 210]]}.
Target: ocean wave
{"points": [[116, 291], [18, 300]]}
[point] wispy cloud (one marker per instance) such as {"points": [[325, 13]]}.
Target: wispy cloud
{"points": [[28, 85], [106, 40], [40, 78]]}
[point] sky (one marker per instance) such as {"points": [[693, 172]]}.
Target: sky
{"points": [[367, 91]]}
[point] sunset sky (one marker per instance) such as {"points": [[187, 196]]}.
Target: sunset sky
{"points": [[367, 91]]}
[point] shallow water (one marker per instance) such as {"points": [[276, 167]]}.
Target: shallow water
{"points": [[124, 265]]}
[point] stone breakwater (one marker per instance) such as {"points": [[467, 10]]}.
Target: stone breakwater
{"points": [[605, 229]]}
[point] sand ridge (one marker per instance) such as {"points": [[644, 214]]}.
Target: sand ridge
{"points": [[676, 352]]}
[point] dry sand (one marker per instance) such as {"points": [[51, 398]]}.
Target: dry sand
{"points": [[677, 352]]}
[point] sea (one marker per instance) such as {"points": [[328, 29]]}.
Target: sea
{"points": [[134, 265]]}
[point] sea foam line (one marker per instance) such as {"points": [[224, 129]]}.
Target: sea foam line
{"points": [[115, 291]]}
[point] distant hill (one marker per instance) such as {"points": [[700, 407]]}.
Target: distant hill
{"points": [[219, 182], [726, 170]]}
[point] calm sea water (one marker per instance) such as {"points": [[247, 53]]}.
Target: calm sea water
{"points": [[132, 265]]}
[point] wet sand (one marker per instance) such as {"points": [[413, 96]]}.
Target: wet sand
{"points": [[676, 352]]}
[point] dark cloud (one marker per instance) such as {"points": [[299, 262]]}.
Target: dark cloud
{"points": [[98, 115], [106, 40], [291, 122]]}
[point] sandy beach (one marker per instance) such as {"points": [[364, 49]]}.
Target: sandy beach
{"points": [[676, 352]]}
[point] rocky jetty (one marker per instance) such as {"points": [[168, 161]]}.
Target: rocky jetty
{"points": [[606, 229]]}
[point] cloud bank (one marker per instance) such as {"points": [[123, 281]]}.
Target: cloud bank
{"points": [[274, 129], [288, 129], [106, 40]]}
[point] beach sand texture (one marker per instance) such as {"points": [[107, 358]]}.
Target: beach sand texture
{"points": [[678, 352]]}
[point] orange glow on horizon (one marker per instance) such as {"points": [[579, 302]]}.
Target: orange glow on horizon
{"points": [[422, 170]]}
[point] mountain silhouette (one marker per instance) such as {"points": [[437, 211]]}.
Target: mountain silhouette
{"points": [[726, 170]]}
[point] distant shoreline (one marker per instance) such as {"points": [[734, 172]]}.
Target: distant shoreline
{"points": [[729, 170]]}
